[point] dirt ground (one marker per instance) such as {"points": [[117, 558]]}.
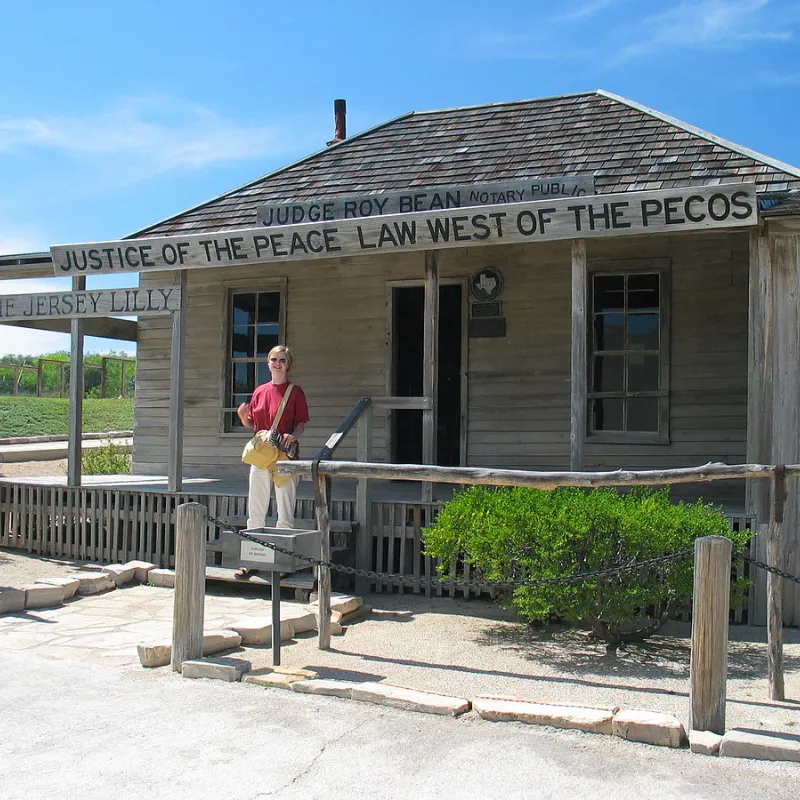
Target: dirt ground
{"points": [[24, 469]]}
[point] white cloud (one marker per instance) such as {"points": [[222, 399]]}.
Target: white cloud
{"points": [[586, 9], [148, 136], [709, 25], [21, 241]]}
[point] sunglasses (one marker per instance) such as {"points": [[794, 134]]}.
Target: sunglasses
{"points": [[279, 360]]}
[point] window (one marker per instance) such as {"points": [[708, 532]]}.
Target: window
{"points": [[628, 389], [254, 328]]}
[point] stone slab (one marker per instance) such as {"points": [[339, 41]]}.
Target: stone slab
{"points": [[410, 699], [649, 727], [704, 742], [301, 619], [220, 669], [94, 582], [280, 677], [141, 569], [11, 600], [218, 640], [68, 585], [161, 577], [258, 630], [512, 709], [362, 612], [119, 573], [766, 745], [158, 654], [329, 688], [40, 595], [343, 603]]}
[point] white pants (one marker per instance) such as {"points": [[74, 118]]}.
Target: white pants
{"points": [[258, 499]]}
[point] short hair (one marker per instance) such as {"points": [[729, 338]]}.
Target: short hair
{"points": [[282, 348]]}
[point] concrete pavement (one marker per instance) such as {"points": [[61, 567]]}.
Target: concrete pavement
{"points": [[83, 730]]}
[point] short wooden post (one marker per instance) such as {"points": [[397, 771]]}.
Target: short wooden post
{"points": [[324, 573], [190, 583], [364, 502], [708, 669], [776, 557]]}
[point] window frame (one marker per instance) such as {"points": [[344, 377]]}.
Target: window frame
{"points": [[626, 268], [229, 288]]}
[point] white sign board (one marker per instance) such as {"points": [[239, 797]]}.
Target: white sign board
{"points": [[251, 551], [434, 198], [94, 303], [628, 213]]}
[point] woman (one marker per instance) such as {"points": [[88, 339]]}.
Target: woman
{"points": [[259, 414]]}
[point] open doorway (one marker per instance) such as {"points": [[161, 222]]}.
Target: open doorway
{"points": [[407, 357]]}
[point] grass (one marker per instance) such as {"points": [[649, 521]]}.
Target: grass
{"points": [[37, 416]]}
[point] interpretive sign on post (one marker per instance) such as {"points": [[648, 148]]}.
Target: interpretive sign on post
{"points": [[92, 303], [434, 198], [629, 213]]}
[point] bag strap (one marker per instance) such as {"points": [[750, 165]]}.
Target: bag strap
{"points": [[279, 413]]}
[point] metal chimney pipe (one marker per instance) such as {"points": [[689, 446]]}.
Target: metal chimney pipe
{"points": [[340, 117]]}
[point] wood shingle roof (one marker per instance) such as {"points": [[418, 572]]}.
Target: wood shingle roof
{"points": [[626, 147]]}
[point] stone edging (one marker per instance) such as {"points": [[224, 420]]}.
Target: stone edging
{"points": [[62, 437]]}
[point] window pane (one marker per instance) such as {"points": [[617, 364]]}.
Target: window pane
{"points": [[609, 332], [242, 342], [238, 399], [643, 331], [643, 373], [609, 373], [609, 293], [642, 413], [643, 292], [232, 421], [243, 378], [264, 375], [244, 308], [267, 339], [607, 415], [269, 307]]}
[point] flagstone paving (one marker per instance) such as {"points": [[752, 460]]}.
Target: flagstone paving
{"points": [[106, 628]]}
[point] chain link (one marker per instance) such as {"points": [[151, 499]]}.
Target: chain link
{"points": [[396, 578]]}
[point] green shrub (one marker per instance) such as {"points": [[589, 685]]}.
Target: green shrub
{"points": [[110, 459], [513, 534]]}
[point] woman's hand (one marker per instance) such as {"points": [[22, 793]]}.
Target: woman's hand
{"points": [[244, 415]]}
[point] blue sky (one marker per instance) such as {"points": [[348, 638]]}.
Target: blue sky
{"points": [[114, 114]]}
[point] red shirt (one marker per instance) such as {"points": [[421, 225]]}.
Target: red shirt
{"points": [[264, 406]]}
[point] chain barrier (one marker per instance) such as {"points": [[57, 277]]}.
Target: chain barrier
{"points": [[396, 578], [774, 570]]}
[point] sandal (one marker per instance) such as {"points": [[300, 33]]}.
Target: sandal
{"points": [[244, 573]]}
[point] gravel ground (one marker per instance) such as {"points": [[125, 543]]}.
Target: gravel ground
{"points": [[22, 469], [472, 647]]}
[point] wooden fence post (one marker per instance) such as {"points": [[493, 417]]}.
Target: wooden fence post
{"points": [[190, 583], [776, 557], [364, 503], [324, 573], [709, 660]]}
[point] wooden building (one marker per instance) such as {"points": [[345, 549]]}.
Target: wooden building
{"points": [[623, 292]]}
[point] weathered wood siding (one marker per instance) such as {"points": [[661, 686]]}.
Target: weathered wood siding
{"points": [[518, 386]]}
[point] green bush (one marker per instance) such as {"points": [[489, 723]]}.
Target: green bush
{"points": [[513, 534], [110, 459]]}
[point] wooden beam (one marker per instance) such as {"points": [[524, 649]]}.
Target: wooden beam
{"points": [[578, 388], [125, 330], [75, 394], [364, 502], [430, 349], [176, 397]]}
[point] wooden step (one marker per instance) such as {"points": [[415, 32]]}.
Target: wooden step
{"points": [[337, 525], [301, 582]]}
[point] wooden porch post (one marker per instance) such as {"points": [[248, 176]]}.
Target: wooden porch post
{"points": [[577, 434], [75, 393], [774, 396], [430, 356], [177, 355]]}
